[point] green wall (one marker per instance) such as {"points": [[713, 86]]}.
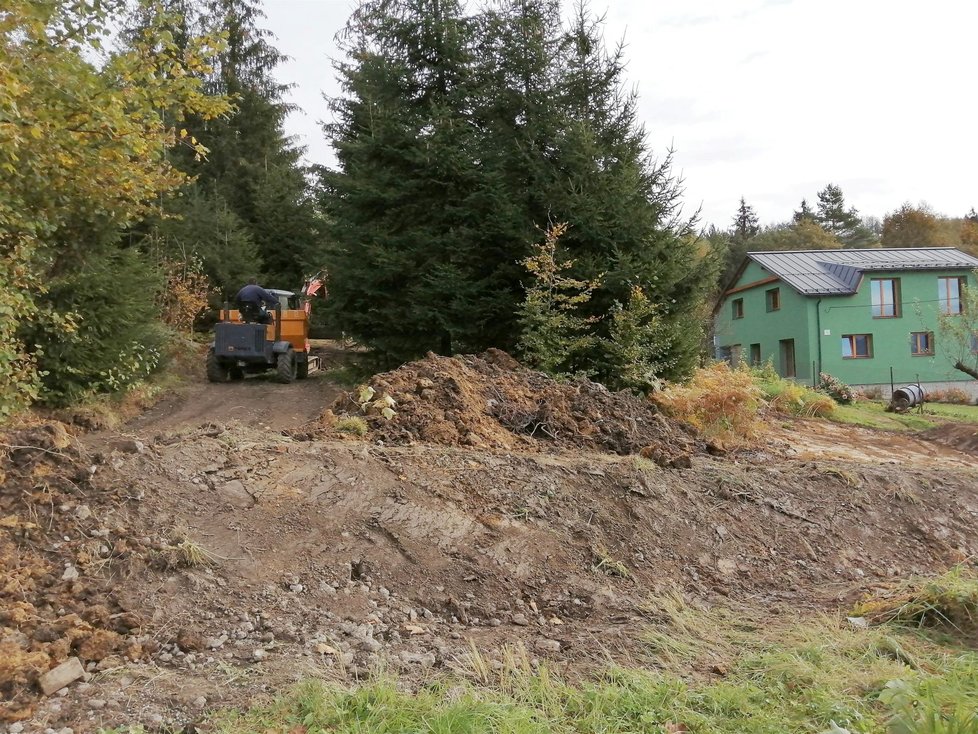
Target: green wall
{"points": [[806, 318], [891, 336]]}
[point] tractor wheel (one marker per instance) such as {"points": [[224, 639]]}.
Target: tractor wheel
{"points": [[285, 367], [216, 372], [302, 368]]}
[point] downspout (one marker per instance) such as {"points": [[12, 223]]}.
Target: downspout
{"points": [[818, 335]]}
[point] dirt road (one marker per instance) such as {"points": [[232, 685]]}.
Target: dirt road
{"points": [[257, 401]]}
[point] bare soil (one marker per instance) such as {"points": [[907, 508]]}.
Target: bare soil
{"points": [[222, 553]]}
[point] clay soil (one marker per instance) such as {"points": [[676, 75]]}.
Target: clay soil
{"points": [[197, 561]]}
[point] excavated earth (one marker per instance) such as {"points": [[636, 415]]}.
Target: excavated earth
{"points": [[202, 565]]}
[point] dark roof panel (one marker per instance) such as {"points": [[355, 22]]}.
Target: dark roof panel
{"points": [[838, 272]]}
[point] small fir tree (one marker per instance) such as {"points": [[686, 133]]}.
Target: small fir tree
{"points": [[553, 332]]}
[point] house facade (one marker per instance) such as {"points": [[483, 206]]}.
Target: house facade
{"points": [[854, 314]]}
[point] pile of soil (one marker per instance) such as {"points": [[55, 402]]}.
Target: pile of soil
{"points": [[56, 535], [490, 401]]}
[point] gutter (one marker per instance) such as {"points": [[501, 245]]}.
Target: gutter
{"points": [[818, 335]]}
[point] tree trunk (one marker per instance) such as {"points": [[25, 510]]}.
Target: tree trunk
{"points": [[962, 367]]}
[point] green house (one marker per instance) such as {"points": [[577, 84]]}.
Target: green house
{"points": [[859, 315]]}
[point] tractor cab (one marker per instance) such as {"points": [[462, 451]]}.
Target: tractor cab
{"points": [[288, 300]]}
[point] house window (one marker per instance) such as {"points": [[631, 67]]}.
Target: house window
{"points": [[857, 346], [738, 308], [922, 343], [773, 299], [755, 355], [886, 298], [949, 294]]}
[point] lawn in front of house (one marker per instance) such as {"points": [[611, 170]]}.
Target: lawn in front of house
{"points": [[872, 414]]}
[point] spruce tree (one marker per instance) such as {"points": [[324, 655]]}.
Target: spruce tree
{"points": [[745, 228], [623, 206], [842, 223], [252, 165], [804, 212], [459, 138], [404, 206]]}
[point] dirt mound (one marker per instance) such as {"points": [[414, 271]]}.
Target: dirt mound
{"points": [[56, 534], [490, 401], [961, 436]]}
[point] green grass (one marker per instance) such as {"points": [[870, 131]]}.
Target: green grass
{"points": [[708, 670], [829, 675], [873, 415]]}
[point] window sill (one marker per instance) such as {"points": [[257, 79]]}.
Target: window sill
{"points": [[868, 356], [922, 354], [898, 316]]}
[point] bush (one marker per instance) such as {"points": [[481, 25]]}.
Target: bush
{"points": [[951, 395], [115, 340], [873, 392], [835, 388], [722, 403]]}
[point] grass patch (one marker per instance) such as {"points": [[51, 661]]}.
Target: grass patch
{"points": [[827, 679], [788, 396], [349, 374], [872, 414], [949, 600], [353, 425]]}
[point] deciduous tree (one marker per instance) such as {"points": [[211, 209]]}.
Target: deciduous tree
{"points": [[912, 226], [82, 156]]}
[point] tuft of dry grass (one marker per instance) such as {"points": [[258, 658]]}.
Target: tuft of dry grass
{"points": [[608, 564], [353, 425], [948, 600], [720, 402]]}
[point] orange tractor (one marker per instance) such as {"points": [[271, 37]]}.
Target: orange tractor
{"points": [[243, 346]]}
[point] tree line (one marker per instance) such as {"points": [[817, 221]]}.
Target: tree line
{"points": [[493, 188], [832, 225], [143, 172]]}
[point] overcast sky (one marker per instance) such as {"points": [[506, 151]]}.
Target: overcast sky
{"points": [[766, 99]]}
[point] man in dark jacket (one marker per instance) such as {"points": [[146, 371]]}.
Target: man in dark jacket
{"points": [[252, 300]]}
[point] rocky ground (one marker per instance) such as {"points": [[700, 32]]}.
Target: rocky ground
{"points": [[191, 563]]}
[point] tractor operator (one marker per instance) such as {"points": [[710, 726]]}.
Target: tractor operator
{"points": [[252, 300]]}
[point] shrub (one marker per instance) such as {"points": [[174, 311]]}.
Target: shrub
{"points": [[873, 392], [835, 388], [722, 403], [951, 395]]}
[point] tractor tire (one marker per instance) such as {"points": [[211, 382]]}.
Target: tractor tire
{"points": [[302, 368], [216, 372], [285, 367]]}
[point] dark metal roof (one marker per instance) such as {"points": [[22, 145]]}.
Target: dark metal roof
{"points": [[838, 272]]}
